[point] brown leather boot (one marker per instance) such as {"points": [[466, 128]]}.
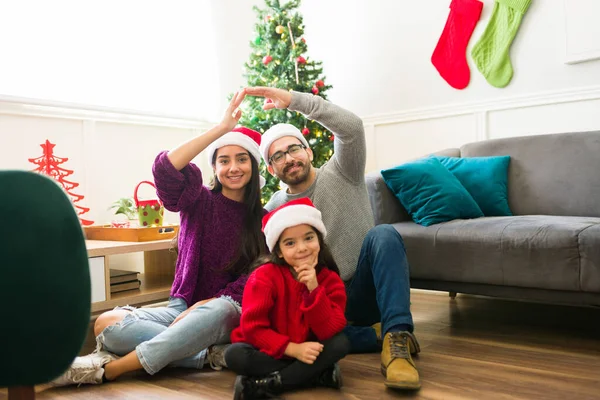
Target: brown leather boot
{"points": [[414, 346], [397, 364]]}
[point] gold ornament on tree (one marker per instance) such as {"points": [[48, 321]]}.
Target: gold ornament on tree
{"points": [[280, 29]]}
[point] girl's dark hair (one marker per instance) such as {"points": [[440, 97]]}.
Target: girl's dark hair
{"points": [[325, 257], [252, 240]]}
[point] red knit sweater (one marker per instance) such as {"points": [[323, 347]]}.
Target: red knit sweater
{"points": [[277, 309]]}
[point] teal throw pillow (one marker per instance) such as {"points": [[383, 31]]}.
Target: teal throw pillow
{"points": [[430, 193], [485, 178]]}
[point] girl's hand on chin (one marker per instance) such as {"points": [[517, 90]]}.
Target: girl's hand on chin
{"points": [[307, 274]]}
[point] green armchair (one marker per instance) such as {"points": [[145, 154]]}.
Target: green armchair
{"points": [[44, 282]]}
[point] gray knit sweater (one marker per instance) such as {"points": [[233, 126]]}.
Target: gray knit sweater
{"points": [[339, 190]]}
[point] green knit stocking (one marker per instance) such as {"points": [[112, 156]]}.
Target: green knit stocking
{"points": [[491, 51]]}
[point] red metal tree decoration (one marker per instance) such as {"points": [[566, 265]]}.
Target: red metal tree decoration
{"points": [[48, 164]]}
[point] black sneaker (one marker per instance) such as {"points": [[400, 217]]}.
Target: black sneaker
{"points": [[246, 388], [331, 377]]}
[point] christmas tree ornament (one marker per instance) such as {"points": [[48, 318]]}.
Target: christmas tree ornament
{"points": [[449, 56], [279, 29], [303, 40], [301, 60], [296, 70], [49, 164], [283, 36], [258, 41], [319, 83], [268, 18], [331, 138], [305, 131], [315, 90], [491, 52], [267, 59]]}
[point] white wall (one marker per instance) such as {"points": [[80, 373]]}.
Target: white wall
{"points": [[109, 153], [377, 57]]}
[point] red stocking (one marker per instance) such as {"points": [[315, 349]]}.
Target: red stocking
{"points": [[449, 56]]}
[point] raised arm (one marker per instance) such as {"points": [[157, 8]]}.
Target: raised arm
{"points": [[349, 144], [350, 149], [185, 152]]}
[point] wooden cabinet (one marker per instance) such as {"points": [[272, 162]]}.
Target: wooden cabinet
{"points": [[157, 278]]}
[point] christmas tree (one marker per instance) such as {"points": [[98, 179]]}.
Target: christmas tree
{"points": [[279, 59], [48, 164]]}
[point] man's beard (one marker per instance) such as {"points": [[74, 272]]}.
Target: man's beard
{"points": [[298, 177]]}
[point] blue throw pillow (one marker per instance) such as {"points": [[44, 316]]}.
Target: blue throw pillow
{"points": [[485, 178], [430, 193]]}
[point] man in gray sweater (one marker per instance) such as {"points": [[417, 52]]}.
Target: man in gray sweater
{"points": [[372, 260]]}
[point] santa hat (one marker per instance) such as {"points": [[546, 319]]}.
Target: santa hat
{"points": [[294, 212], [276, 132], [240, 136]]}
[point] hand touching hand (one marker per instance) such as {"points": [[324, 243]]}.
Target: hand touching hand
{"points": [[233, 113], [274, 98]]}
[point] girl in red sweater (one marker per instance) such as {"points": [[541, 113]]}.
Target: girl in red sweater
{"points": [[290, 332]]}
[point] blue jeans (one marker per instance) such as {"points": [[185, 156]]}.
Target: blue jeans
{"points": [[379, 290], [147, 331]]}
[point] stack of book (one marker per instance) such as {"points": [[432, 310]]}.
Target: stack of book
{"points": [[123, 280]]}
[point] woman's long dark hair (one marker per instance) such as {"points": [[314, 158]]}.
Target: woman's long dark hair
{"points": [[252, 240], [325, 258]]}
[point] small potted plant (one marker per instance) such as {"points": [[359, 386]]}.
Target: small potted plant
{"points": [[126, 212]]}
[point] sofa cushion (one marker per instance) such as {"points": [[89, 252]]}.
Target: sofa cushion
{"points": [[486, 180], [429, 192], [549, 174], [545, 252]]}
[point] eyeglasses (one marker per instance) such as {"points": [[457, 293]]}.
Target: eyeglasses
{"points": [[293, 150]]}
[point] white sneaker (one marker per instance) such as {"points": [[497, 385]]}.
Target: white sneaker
{"points": [[86, 369], [215, 356]]}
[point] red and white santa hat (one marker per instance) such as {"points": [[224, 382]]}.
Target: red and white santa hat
{"points": [[294, 212], [241, 136], [278, 131]]}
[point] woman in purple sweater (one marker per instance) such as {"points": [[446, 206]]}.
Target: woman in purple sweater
{"points": [[220, 235]]}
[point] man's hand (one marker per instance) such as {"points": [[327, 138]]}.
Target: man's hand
{"points": [[186, 312], [233, 113], [306, 352], [274, 98]]}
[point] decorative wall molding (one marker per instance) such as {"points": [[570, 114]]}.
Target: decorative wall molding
{"points": [[10, 105], [485, 107]]}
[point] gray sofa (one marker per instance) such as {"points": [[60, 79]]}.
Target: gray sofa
{"points": [[548, 251]]}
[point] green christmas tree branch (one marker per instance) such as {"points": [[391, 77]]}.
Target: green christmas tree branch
{"points": [[273, 62]]}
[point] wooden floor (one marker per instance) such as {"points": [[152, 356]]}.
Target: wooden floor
{"points": [[472, 348]]}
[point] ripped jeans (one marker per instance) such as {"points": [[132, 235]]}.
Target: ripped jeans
{"points": [[147, 331]]}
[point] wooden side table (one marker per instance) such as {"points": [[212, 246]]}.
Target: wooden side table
{"points": [[156, 280]]}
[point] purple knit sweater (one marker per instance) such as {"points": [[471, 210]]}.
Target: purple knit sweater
{"points": [[209, 233]]}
